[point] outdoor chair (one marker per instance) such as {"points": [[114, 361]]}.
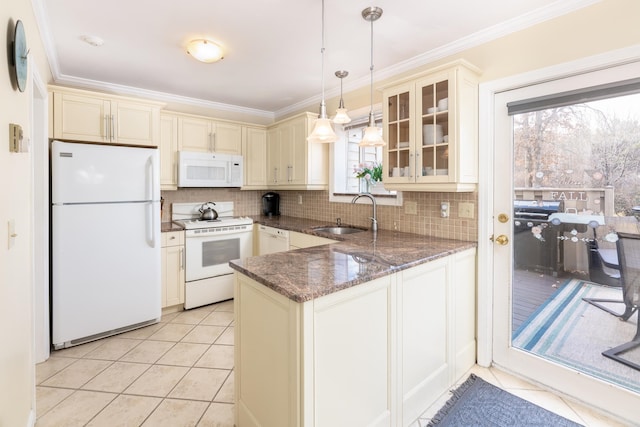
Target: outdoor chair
{"points": [[628, 247]]}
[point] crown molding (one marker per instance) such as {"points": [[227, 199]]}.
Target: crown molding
{"points": [[558, 8], [158, 96]]}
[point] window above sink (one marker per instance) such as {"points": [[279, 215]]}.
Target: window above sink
{"points": [[346, 155]]}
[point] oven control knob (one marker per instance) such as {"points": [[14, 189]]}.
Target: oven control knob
{"points": [[517, 223], [529, 224]]}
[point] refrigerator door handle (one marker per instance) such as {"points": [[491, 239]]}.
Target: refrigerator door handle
{"points": [[151, 218]]}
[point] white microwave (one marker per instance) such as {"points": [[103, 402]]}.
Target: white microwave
{"points": [[197, 169]]}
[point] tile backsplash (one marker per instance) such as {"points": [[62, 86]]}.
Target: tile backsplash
{"points": [[316, 206]]}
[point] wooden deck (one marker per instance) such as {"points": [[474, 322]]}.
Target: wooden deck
{"points": [[530, 290]]}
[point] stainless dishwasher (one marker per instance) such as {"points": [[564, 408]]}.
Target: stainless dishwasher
{"points": [[272, 240]]}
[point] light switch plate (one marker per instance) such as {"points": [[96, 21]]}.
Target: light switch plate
{"points": [[15, 138]]}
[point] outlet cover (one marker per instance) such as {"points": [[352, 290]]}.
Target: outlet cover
{"points": [[411, 208], [465, 210]]}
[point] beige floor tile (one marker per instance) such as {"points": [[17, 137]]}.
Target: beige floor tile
{"points": [[191, 317], [77, 374], [227, 337], [51, 366], [116, 377], [218, 318], [224, 306], [171, 332], [78, 351], [113, 349], [142, 333], [126, 410], [435, 407], [157, 381], [217, 415], [183, 354], [508, 381], [592, 418], [200, 384], [147, 352], [48, 397], [226, 393], [166, 318], [76, 410], [204, 334], [176, 413], [217, 356]]}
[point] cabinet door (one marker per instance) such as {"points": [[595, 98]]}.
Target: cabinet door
{"points": [[435, 134], [398, 154], [194, 134], [81, 118], [135, 123], [423, 297], [227, 138], [168, 152], [274, 160], [175, 275], [296, 151], [254, 149]]}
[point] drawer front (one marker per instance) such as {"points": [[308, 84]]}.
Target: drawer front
{"points": [[173, 238]]}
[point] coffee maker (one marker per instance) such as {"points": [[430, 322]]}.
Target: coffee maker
{"points": [[271, 204]]}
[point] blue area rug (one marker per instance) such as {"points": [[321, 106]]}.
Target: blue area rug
{"points": [[574, 333], [476, 403]]}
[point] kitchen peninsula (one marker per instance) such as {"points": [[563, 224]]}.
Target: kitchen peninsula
{"points": [[367, 331]]}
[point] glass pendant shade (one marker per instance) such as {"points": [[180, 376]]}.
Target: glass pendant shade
{"points": [[322, 132], [205, 50], [341, 116]]}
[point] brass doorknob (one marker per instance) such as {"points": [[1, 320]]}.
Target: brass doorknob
{"points": [[501, 239]]}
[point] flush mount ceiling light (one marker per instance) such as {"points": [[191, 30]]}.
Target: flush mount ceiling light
{"points": [[322, 131], [92, 40], [372, 136], [205, 50], [341, 113]]}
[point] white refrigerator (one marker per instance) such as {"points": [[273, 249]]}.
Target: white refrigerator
{"points": [[105, 241]]}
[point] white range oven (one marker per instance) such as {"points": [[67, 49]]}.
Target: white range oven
{"points": [[209, 246]]}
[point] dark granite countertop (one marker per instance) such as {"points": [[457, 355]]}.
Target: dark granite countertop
{"points": [[304, 274], [170, 226]]}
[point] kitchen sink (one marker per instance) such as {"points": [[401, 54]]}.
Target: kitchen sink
{"points": [[339, 230]]}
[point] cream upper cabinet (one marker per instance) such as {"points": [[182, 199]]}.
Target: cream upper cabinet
{"points": [[431, 127], [93, 117], [294, 163], [254, 147], [168, 151], [203, 134]]}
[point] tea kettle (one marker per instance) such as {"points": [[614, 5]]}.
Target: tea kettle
{"points": [[207, 213]]}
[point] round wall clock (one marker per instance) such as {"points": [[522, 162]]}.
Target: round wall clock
{"points": [[19, 56]]}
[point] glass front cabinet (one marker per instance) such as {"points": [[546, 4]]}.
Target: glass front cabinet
{"points": [[431, 129]]}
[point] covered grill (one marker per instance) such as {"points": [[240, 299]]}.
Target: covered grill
{"points": [[536, 243]]}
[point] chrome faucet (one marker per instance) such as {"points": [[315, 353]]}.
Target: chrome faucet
{"points": [[374, 220]]}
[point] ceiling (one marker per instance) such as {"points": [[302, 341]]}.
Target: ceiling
{"points": [[272, 61]]}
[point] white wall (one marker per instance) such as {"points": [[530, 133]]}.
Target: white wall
{"points": [[17, 372]]}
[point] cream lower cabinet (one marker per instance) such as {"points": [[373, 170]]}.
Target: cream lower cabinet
{"points": [[292, 162], [302, 240], [80, 115], [172, 268], [377, 354]]}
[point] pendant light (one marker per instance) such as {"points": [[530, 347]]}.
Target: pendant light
{"points": [[322, 131], [372, 136], [341, 113]]}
